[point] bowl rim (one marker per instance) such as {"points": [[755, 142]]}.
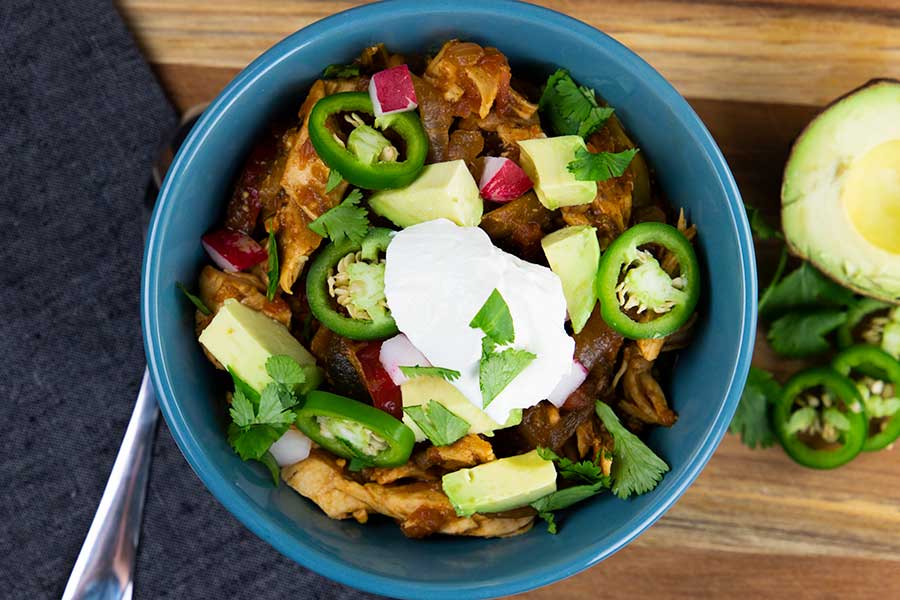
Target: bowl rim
{"points": [[307, 555]]}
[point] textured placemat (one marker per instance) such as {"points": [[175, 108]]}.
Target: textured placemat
{"points": [[81, 120]]}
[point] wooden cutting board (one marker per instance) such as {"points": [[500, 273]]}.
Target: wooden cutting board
{"points": [[754, 524]]}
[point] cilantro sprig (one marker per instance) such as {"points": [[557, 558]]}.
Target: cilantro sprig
{"points": [[195, 300], [439, 424], [260, 419], [339, 71], [751, 419], [586, 471], [570, 108], [497, 369], [334, 179], [804, 288], [347, 220], [600, 166], [802, 334], [635, 467], [272, 270], [417, 371]]}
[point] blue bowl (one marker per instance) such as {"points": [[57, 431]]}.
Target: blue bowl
{"points": [[704, 387]]}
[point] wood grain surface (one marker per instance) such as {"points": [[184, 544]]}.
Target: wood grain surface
{"points": [[799, 51], [754, 525]]}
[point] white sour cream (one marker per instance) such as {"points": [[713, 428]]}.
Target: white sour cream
{"points": [[438, 275]]}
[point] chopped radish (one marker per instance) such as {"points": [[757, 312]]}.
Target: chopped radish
{"points": [[291, 448], [503, 180], [568, 384], [399, 352], [392, 91], [233, 251]]}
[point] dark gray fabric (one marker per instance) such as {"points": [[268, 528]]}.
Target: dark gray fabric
{"points": [[81, 120]]}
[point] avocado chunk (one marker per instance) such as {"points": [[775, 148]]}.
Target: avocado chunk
{"points": [[841, 192], [546, 161], [573, 254], [500, 485], [243, 339], [420, 390], [443, 190]]}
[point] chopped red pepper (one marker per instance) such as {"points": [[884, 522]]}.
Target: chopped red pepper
{"points": [[386, 395]]}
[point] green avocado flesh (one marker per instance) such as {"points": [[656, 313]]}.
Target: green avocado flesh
{"points": [[573, 254], [841, 191], [243, 339], [500, 485], [443, 190]]}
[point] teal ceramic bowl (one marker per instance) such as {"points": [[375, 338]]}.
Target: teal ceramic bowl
{"points": [[705, 383]]}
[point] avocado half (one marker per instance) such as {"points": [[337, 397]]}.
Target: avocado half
{"points": [[840, 199]]}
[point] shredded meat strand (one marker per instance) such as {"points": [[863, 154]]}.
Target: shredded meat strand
{"points": [[644, 398], [421, 509]]}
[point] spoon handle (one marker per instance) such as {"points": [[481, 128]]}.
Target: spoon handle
{"points": [[105, 566]]}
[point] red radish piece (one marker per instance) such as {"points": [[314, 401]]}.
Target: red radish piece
{"points": [[290, 448], [568, 384], [392, 91], [233, 251], [399, 352], [503, 180]]}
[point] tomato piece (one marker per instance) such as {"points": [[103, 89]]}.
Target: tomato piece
{"points": [[386, 395]]}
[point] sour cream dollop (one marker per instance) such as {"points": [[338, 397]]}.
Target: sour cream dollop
{"points": [[438, 275]]}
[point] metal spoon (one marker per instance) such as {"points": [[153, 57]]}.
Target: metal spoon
{"points": [[104, 569]]}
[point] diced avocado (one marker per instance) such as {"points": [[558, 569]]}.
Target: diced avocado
{"points": [[243, 339], [573, 254], [420, 390], [443, 190], [546, 161], [841, 192], [500, 485]]}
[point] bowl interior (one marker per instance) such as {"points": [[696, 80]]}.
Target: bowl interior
{"points": [[703, 387]]}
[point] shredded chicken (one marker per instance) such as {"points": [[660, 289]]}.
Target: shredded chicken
{"points": [[303, 182], [644, 398], [421, 509], [467, 451]]}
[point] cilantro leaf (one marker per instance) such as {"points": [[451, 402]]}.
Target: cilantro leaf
{"points": [[571, 109], [334, 179], [285, 370], [242, 411], [635, 467], [758, 225], [338, 71], [347, 220], [272, 410], [195, 300], [551, 521], [268, 460], [563, 499], [272, 273], [600, 166], [440, 425], [803, 334], [586, 470], [751, 419], [497, 370], [804, 287], [494, 319], [446, 374], [253, 441]]}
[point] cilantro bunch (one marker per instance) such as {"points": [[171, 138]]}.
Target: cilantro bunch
{"points": [[260, 419], [801, 310]]}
